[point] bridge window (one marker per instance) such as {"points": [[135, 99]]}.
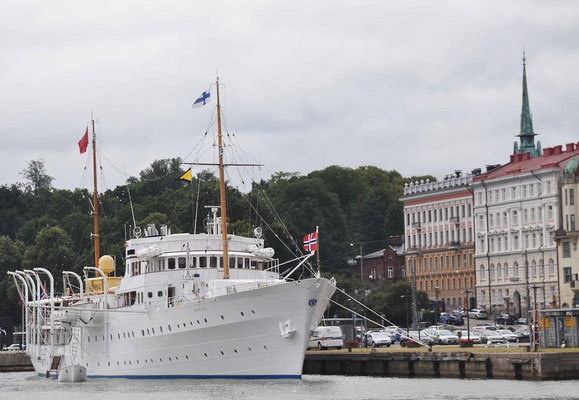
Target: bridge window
{"points": [[253, 264], [193, 262], [203, 262], [247, 263], [213, 262], [171, 263], [182, 262], [240, 262], [231, 262], [221, 262]]}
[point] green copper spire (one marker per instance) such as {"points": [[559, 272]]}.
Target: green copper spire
{"points": [[527, 134]]}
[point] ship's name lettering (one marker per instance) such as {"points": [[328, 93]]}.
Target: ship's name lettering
{"points": [[199, 309]]}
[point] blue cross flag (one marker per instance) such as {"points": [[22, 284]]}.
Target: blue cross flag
{"points": [[203, 99]]}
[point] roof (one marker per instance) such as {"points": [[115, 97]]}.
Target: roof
{"points": [[521, 163], [399, 249]]}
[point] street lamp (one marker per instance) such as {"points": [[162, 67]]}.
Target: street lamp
{"points": [[361, 263], [467, 292], [405, 297]]}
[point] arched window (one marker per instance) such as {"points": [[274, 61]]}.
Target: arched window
{"points": [[499, 270], [516, 270], [506, 267], [482, 272], [551, 266], [492, 271], [534, 268], [541, 268]]}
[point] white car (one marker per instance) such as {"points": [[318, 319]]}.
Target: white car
{"points": [[477, 314], [443, 336], [13, 347], [508, 335], [377, 339], [324, 337]]}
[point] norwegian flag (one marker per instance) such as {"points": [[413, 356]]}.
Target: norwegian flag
{"points": [[310, 242], [43, 297]]}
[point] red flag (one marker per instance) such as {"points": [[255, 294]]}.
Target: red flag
{"points": [[310, 241], [83, 143]]}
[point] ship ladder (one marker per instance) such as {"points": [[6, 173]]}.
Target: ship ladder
{"points": [[55, 363], [74, 346]]}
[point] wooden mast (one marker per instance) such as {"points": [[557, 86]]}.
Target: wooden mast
{"points": [[95, 203], [222, 190]]}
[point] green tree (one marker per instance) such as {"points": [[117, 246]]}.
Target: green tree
{"points": [[35, 174], [52, 249]]}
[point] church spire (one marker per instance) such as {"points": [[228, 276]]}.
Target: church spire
{"points": [[527, 134]]}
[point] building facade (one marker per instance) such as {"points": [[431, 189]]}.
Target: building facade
{"points": [[439, 239], [515, 213], [566, 236], [386, 264]]}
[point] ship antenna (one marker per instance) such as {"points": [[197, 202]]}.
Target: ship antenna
{"points": [[222, 189]]}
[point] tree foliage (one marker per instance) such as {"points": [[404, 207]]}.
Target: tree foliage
{"points": [[45, 227]]}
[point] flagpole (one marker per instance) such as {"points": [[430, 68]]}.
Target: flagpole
{"points": [[95, 206], [318, 250]]}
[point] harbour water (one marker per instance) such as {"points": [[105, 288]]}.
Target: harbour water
{"points": [[25, 385]]}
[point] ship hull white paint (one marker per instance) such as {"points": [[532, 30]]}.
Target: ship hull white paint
{"points": [[237, 335]]}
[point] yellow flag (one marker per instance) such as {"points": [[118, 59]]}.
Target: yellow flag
{"points": [[186, 176]]}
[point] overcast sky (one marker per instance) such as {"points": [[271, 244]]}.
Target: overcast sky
{"points": [[423, 87]]}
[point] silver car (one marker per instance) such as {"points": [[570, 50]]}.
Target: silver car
{"points": [[507, 335]]}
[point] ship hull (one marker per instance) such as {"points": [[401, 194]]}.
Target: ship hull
{"points": [[256, 334]]}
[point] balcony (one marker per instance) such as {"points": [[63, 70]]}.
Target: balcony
{"points": [[416, 225], [454, 220], [454, 244]]}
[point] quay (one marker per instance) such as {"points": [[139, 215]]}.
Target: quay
{"points": [[480, 363], [485, 363], [15, 361]]}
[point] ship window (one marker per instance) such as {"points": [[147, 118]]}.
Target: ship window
{"points": [[247, 263], [119, 335], [253, 264], [150, 294], [186, 356], [153, 330], [88, 337], [231, 262], [205, 319], [213, 262], [205, 354], [148, 332], [161, 329], [111, 336], [221, 265], [160, 293], [242, 314], [162, 264], [133, 334], [124, 335], [193, 262], [235, 350], [181, 262], [222, 353], [260, 266], [169, 326], [203, 262], [240, 262], [170, 359], [142, 332], [171, 263]]}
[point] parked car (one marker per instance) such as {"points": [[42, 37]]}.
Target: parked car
{"points": [[464, 334], [461, 311], [443, 336], [478, 314], [506, 319], [418, 336], [489, 334], [523, 334], [324, 337], [451, 319], [507, 335], [378, 339], [521, 321], [13, 347]]}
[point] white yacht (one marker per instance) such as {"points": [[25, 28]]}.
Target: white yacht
{"points": [[206, 305]]}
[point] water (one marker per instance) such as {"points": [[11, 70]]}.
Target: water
{"points": [[21, 385]]}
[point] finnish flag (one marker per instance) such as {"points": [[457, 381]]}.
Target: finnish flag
{"points": [[203, 99]]}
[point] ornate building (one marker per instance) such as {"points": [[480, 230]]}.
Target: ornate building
{"points": [[439, 238], [386, 264], [566, 236], [515, 213]]}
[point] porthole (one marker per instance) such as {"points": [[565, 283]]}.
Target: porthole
{"points": [[169, 326], [99, 364], [103, 338], [117, 363], [146, 362], [119, 336], [125, 362], [186, 356], [130, 362], [176, 358], [95, 338], [198, 322], [88, 338], [205, 354], [205, 319], [249, 348], [235, 350], [153, 330], [170, 359], [111, 336], [161, 329], [160, 359], [133, 334], [191, 323], [253, 311], [124, 335], [109, 363], [150, 294], [160, 293], [242, 314], [222, 317], [143, 332], [265, 347], [177, 325], [184, 324], [148, 333], [138, 362], [222, 353]]}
